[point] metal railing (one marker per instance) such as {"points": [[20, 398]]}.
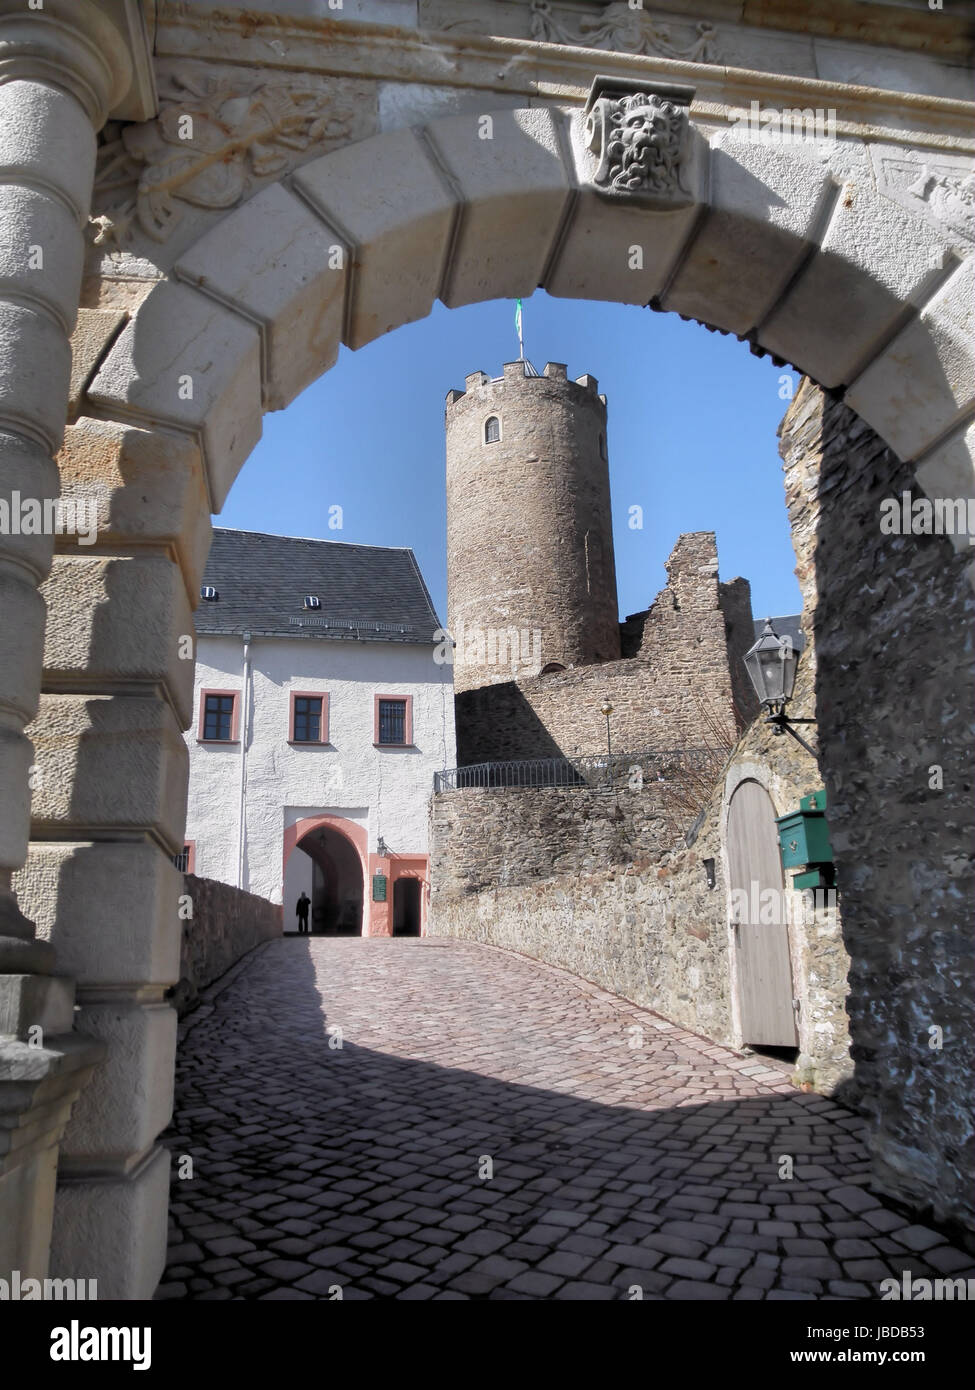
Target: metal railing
{"points": [[599, 771]]}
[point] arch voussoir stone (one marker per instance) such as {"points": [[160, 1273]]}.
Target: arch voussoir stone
{"points": [[921, 385], [765, 207], [188, 362], [875, 263], [948, 471], [386, 198], [514, 184], [274, 261], [615, 250]]}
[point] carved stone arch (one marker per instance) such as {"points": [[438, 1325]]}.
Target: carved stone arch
{"points": [[789, 247]]}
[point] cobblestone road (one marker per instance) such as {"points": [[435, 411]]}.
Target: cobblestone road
{"points": [[614, 1166]]}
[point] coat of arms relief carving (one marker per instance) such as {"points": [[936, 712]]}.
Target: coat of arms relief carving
{"points": [[217, 136]]}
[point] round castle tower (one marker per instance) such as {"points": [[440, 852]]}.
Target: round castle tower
{"points": [[529, 528]]}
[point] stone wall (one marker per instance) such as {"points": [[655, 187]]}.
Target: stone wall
{"points": [[616, 896], [225, 925], [622, 912], [681, 676], [487, 838], [892, 621]]}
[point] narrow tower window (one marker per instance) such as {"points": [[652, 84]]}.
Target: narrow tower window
{"points": [[492, 430]]}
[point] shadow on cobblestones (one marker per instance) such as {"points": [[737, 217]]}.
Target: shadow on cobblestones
{"points": [[484, 1127]]}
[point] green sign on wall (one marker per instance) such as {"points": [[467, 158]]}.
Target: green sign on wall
{"points": [[379, 888]]}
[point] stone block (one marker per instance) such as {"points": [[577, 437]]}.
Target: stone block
{"points": [[28, 471], [129, 1099], [874, 260], [38, 1087], [406, 104], [949, 472], [27, 1203], [16, 758], [35, 369], [150, 486], [136, 936], [36, 1001], [41, 251], [23, 642], [515, 187], [110, 762], [399, 219], [120, 619], [274, 261], [93, 331], [923, 381], [113, 1229], [188, 362], [764, 204]]}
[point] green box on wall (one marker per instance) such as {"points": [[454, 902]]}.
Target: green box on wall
{"points": [[379, 888], [804, 839]]}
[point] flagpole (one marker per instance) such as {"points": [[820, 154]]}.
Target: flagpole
{"points": [[519, 323]]}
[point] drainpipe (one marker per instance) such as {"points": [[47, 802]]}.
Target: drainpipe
{"points": [[245, 701]]}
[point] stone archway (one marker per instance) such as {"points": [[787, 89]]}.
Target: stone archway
{"points": [[353, 848], [796, 249], [791, 248]]}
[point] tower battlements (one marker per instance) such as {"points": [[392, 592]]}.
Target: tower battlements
{"points": [[515, 372]]}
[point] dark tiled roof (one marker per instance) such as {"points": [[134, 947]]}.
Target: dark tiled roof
{"points": [[369, 592], [784, 627]]}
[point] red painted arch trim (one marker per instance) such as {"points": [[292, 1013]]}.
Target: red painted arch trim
{"points": [[356, 834]]}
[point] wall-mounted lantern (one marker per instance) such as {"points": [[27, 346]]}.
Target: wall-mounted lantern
{"points": [[771, 665]]}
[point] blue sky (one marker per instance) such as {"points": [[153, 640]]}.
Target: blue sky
{"points": [[691, 436]]}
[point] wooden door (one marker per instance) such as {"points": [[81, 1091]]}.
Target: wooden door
{"points": [[765, 989]]}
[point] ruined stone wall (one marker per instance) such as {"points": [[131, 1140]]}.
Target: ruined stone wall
{"points": [[681, 680], [225, 925], [529, 526]]}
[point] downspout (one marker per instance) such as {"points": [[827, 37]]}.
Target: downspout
{"points": [[245, 701]]}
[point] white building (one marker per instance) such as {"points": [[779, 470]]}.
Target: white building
{"points": [[322, 716]]}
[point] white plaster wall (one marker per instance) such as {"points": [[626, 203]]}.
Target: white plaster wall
{"points": [[297, 880], [385, 790]]}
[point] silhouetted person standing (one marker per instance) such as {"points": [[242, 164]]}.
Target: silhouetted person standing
{"points": [[301, 907]]}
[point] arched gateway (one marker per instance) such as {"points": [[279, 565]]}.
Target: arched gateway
{"points": [[316, 197]]}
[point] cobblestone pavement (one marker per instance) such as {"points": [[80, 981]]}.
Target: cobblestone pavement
{"points": [[615, 1166]]}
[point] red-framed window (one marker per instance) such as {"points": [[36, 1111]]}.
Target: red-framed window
{"points": [[185, 861], [308, 717], [393, 721], [219, 716]]}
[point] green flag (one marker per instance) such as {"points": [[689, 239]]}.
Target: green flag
{"points": [[521, 346]]}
